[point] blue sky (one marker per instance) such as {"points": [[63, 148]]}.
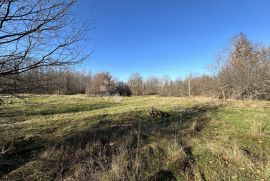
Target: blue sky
{"points": [[168, 37]]}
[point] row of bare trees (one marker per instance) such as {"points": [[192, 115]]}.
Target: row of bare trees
{"points": [[165, 86], [51, 80], [47, 80]]}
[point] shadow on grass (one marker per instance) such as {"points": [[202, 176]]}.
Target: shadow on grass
{"points": [[118, 148], [19, 153], [70, 108], [10, 116]]}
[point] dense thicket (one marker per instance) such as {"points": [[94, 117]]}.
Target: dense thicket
{"points": [[242, 72]]}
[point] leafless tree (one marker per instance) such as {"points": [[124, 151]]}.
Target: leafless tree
{"points": [[38, 33], [152, 86], [135, 83]]}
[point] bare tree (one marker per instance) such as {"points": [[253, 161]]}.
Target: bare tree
{"points": [[135, 83], [166, 86], [189, 84], [152, 86], [38, 33]]}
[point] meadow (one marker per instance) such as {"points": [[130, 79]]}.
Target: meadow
{"points": [[79, 137]]}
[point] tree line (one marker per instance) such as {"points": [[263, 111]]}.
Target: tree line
{"points": [[242, 72], [40, 40], [36, 58], [64, 81]]}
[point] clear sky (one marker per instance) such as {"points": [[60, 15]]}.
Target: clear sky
{"points": [[168, 37]]}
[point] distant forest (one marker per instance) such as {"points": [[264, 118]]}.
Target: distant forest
{"points": [[240, 72]]}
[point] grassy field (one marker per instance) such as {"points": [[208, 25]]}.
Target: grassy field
{"points": [[92, 138]]}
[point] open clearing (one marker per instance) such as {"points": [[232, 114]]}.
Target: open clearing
{"points": [[93, 138]]}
